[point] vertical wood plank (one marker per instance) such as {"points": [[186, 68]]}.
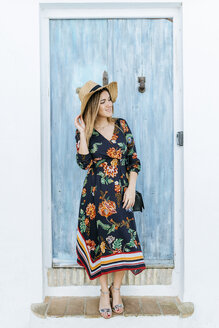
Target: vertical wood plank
{"points": [[80, 50]]}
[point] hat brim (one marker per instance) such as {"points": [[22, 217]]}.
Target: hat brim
{"points": [[113, 89]]}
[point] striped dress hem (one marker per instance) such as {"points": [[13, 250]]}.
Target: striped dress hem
{"points": [[133, 261]]}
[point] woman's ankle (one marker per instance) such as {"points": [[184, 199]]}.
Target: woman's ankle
{"points": [[104, 290], [116, 287]]}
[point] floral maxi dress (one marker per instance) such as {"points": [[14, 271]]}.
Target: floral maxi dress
{"points": [[107, 239]]}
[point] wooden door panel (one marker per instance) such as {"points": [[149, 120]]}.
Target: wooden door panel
{"points": [[81, 50]]}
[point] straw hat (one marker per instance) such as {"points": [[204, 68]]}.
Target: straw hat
{"points": [[90, 87]]}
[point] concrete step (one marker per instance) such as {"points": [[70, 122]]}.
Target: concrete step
{"points": [[64, 311]]}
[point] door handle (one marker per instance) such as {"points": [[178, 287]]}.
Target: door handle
{"points": [[105, 78], [141, 80]]}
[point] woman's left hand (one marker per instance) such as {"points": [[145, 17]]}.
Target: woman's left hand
{"points": [[129, 198]]}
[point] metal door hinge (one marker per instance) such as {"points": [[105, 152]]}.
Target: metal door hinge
{"points": [[179, 136]]}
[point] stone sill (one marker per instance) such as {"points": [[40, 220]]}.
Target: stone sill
{"points": [[87, 306], [78, 276]]}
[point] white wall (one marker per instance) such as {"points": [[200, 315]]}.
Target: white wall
{"points": [[20, 205], [201, 155]]}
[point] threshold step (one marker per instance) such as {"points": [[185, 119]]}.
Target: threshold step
{"points": [[87, 307]]}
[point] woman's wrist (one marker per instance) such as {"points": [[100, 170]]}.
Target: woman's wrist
{"points": [[132, 186], [82, 133], [132, 180]]}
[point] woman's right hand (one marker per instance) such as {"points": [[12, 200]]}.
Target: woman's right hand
{"points": [[80, 126]]}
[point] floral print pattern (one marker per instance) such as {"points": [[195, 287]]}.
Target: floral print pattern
{"points": [[107, 239]]}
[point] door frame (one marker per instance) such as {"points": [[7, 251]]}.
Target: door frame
{"points": [[76, 10]]}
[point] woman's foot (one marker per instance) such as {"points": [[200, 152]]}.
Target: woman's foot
{"points": [[118, 306], [104, 305]]}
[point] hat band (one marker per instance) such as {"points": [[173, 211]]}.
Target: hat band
{"points": [[96, 87]]}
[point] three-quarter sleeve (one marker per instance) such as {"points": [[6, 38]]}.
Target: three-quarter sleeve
{"points": [[84, 161], [133, 162]]}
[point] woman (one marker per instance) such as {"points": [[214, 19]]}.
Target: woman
{"points": [[107, 240]]}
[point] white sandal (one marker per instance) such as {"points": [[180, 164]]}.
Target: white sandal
{"points": [[117, 306], [105, 310]]}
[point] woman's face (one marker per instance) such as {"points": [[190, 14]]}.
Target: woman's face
{"points": [[105, 104]]}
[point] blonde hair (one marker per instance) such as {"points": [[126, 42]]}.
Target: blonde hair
{"points": [[91, 111]]}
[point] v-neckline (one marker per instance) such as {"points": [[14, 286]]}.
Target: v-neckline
{"points": [[112, 135]]}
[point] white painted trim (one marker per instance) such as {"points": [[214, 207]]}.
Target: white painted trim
{"points": [[45, 150], [108, 10], [113, 10]]}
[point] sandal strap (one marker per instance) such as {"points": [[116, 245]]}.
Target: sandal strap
{"points": [[104, 292], [105, 310], [118, 305], [114, 287]]}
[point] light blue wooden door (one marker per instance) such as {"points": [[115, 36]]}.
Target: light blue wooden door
{"points": [[81, 50]]}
